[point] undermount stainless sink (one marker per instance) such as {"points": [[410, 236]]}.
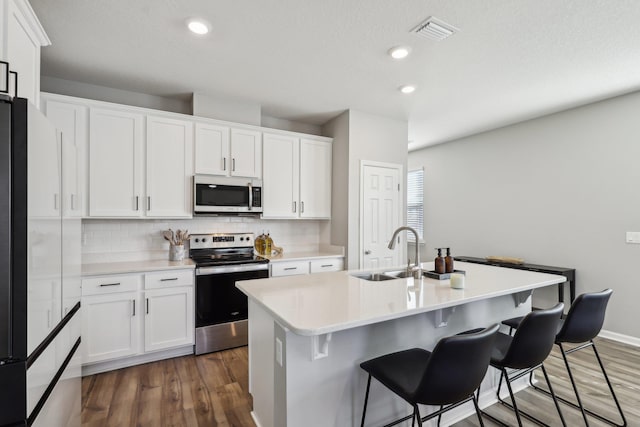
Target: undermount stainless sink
{"points": [[399, 274], [373, 277]]}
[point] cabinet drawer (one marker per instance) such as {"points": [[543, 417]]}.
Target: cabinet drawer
{"points": [[289, 268], [110, 284], [331, 264], [167, 279]]}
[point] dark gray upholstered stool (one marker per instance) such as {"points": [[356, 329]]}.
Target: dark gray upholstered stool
{"points": [[580, 326], [448, 376], [524, 352]]}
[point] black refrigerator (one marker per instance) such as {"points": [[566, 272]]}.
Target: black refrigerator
{"points": [[39, 357]]}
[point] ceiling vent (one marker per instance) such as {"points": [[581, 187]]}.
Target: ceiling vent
{"points": [[434, 29]]}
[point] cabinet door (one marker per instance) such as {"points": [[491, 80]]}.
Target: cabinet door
{"points": [[246, 153], [280, 177], [212, 150], [315, 179], [72, 121], [169, 167], [110, 326], [169, 318], [115, 163]]}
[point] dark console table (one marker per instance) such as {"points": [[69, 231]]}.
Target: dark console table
{"points": [[569, 273]]}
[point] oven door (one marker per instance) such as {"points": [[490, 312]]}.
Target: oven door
{"points": [[222, 309]]}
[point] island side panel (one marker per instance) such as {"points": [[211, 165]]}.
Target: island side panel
{"points": [[261, 364], [330, 391]]}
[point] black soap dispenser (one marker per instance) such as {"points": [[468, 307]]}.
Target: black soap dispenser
{"points": [[439, 261]]}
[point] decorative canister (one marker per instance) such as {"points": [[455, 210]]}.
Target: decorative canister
{"points": [[176, 252]]}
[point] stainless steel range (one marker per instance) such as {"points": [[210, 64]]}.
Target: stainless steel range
{"points": [[221, 309]]}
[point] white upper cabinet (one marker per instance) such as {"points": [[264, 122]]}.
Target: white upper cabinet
{"points": [[315, 179], [297, 178], [212, 149], [280, 183], [169, 167], [72, 120], [221, 150], [246, 153], [21, 38], [115, 163]]}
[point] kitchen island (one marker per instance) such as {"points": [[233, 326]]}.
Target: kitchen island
{"points": [[308, 335]]}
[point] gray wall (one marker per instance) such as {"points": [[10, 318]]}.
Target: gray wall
{"points": [[558, 190], [360, 136]]}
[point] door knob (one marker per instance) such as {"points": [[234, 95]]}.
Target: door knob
{"points": [[367, 252]]}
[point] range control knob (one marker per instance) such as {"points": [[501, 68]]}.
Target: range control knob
{"points": [[204, 239], [248, 238], [242, 239], [197, 240]]}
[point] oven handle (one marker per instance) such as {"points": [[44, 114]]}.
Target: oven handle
{"points": [[205, 271]]}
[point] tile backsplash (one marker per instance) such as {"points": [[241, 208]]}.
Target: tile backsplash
{"points": [[115, 240]]}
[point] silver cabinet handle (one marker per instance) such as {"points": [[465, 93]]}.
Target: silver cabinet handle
{"points": [[147, 305], [148, 203], [167, 280], [137, 203], [326, 265], [290, 268], [233, 165], [102, 285], [55, 201], [224, 163], [294, 207], [367, 252], [133, 302], [301, 207]]}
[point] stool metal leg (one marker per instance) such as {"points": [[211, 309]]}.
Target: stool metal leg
{"points": [[417, 410], [553, 395], [580, 405], [513, 398], [475, 404], [366, 398]]}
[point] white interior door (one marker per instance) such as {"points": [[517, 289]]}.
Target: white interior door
{"points": [[380, 214]]}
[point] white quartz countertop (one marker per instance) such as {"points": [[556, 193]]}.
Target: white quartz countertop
{"points": [[101, 268], [321, 303], [297, 256]]}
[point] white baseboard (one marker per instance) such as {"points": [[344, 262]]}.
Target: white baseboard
{"points": [[110, 365], [255, 419], [625, 339]]}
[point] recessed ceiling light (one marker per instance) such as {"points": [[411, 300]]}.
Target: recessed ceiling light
{"points": [[407, 89], [399, 52], [198, 26]]}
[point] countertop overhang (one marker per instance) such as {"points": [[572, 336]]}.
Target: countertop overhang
{"points": [[317, 304]]}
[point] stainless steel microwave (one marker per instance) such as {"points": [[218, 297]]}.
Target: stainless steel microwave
{"points": [[221, 195]]}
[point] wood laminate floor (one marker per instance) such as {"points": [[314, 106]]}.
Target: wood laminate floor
{"points": [[212, 390]]}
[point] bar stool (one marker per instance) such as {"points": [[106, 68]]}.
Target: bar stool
{"points": [[448, 376], [524, 352], [580, 326]]}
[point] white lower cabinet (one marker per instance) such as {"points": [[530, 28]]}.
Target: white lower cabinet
{"points": [[292, 268], [169, 318], [110, 327], [132, 314]]}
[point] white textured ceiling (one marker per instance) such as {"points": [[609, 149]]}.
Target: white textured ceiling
{"points": [[308, 60]]}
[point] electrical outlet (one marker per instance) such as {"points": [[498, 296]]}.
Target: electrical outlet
{"points": [[633, 237], [279, 351]]}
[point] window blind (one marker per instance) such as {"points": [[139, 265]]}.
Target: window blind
{"points": [[415, 202]]}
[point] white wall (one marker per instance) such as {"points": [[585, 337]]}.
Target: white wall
{"points": [[178, 104], [226, 108], [559, 190], [134, 240]]}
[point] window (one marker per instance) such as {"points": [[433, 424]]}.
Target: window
{"points": [[415, 202]]}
